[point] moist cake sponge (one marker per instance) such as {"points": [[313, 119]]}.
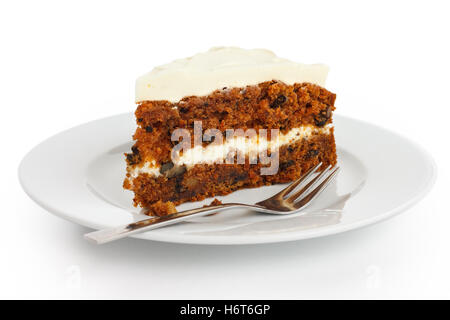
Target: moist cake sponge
{"points": [[301, 111]]}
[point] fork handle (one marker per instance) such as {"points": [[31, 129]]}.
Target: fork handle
{"points": [[108, 235]]}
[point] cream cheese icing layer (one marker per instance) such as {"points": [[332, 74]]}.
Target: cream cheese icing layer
{"points": [[220, 67]]}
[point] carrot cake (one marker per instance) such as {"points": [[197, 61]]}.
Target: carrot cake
{"points": [[224, 120]]}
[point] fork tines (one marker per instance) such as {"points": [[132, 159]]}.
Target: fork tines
{"points": [[303, 190]]}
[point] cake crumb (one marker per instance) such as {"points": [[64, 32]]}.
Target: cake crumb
{"points": [[215, 202], [161, 208]]}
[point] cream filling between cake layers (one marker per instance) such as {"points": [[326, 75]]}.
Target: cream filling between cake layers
{"points": [[214, 153]]}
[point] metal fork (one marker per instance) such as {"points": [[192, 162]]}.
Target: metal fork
{"points": [[288, 201]]}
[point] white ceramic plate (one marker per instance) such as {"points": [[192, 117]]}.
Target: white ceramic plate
{"points": [[78, 176]]}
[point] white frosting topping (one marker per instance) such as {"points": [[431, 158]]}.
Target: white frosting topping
{"points": [[222, 67], [212, 153]]}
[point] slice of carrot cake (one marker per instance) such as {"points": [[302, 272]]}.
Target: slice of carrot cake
{"points": [[224, 120]]}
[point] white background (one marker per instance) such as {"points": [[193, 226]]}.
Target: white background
{"points": [[64, 63]]}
